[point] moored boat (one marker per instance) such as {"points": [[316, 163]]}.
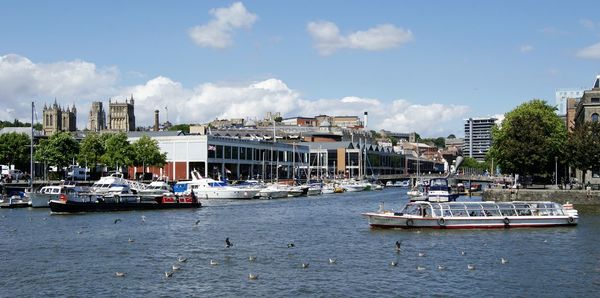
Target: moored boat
{"points": [[42, 198], [96, 203], [463, 215], [207, 188]]}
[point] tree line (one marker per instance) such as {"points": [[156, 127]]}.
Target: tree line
{"points": [[533, 140], [61, 149]]}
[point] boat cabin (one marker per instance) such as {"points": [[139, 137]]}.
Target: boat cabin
{"points": [[482, 209]]}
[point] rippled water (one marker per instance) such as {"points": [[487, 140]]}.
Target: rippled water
{"points": [[78, 255]]}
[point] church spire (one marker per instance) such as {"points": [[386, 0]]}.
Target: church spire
{"points": [[597, 83]]}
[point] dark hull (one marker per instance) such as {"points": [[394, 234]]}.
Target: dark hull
{"points": [[74, 207], [14, 205]]}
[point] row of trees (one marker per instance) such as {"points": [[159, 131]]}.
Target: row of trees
{"points": [[532, 139], [61, 149]]}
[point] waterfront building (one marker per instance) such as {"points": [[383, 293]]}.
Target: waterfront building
{"points": [[562, 96], [570, 116], [56, 119], [300, 121], [97, 117], [121, 116], [478, 137], [229, 157], [588, 109]]}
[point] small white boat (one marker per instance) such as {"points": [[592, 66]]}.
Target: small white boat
{"points": [[208, 188], [274, 191], [156, 188], [464, 215], [42, 198]]}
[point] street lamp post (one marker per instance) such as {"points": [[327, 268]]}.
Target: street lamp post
{"points": [[556, 171]]}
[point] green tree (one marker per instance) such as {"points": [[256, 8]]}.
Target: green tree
{"points": [[451, 136], [530, 138], [278, 119], [147, 153], [394, 141], [118, 151], [91, 151], [14, 150], [59, 150], [181, 127], [583, 147]]}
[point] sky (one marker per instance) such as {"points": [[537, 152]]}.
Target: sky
{"points": [[421, 66]]}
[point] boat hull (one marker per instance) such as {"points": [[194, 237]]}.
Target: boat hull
{"points": [[76, 207], [221, 193], [389, 220]]}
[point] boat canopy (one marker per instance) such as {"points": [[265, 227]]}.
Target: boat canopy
{"points": [[472, 209]]}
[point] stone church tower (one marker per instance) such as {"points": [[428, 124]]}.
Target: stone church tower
{"points": [[121, 116], [97, 118], [56, 119]]}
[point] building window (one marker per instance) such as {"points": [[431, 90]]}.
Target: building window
{"points": [[234, 152], [227, 152], [219, 151], [596, 172], [595, 99], [595, 117]]}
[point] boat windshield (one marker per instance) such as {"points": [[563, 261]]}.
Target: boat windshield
{"points": [[217, 184], [478, 209]]}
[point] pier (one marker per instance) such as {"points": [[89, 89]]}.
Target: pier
{"points": [[576, 197]]}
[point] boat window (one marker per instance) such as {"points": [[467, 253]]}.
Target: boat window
{"points": [[437, 209], [55, 190], [412, 209], [508, 212]]}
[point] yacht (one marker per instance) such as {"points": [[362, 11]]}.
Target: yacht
{"points": [[41, 198], [208, 188]]}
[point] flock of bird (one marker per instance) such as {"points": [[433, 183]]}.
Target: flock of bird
{"points": [[398, 248], [252, 276]]}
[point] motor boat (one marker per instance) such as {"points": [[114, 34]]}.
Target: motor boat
{"points": [[208, 188]]}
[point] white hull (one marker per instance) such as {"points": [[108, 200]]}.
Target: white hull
{"points": [[389, 220], [273, 193], [226, 193], [353, 188], [313, 191], [41, 201]]}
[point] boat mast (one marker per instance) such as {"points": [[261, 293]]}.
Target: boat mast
{"points": [[31, 150]]}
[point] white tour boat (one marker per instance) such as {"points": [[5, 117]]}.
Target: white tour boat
{"points": [[463, 215], [208, 188]]}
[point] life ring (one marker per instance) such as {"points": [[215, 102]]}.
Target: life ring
{"points": [[410, 222], [506, 222], [441, 222], [571, 219]]}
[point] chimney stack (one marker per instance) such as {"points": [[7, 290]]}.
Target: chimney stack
{"points": [[156, 120]]}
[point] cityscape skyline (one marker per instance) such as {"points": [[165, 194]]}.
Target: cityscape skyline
{"points": [[413, 66]]}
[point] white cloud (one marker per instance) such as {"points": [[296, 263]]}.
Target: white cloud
{"points": [[591, 52], [526, 48], [217, 33], [70, 82], [80, 82], [588, 24], [328, 39]]}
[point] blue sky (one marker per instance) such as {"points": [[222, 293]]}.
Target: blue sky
{"points": [[414, 65]]}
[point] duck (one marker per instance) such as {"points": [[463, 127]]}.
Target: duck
{"points": [[305, 265], [120, 274], [168, 274], [252, 276], [214, 263], [175, 267], [181, 259], [252, 258], [332, 261], [228, 243], [398, 246], [394, 263], [117, 220], [462, 253], [130, 240], [421, 254], [441, 267], [471, 267], [290, 245], [420, 268]]}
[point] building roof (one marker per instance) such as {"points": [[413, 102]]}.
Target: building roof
{"points": [[163, 133]]}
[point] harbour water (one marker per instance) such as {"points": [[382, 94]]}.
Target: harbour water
{"points": [[78, 255]]}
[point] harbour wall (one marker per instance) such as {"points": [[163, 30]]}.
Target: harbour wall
{"points": [[576, 197]]}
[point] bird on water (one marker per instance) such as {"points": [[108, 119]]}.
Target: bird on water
{"points": [[398, 246], [168, 274], [252, 276], [228, 243], [119, 274], [290, 245], [117, 220], [181, 259]]}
